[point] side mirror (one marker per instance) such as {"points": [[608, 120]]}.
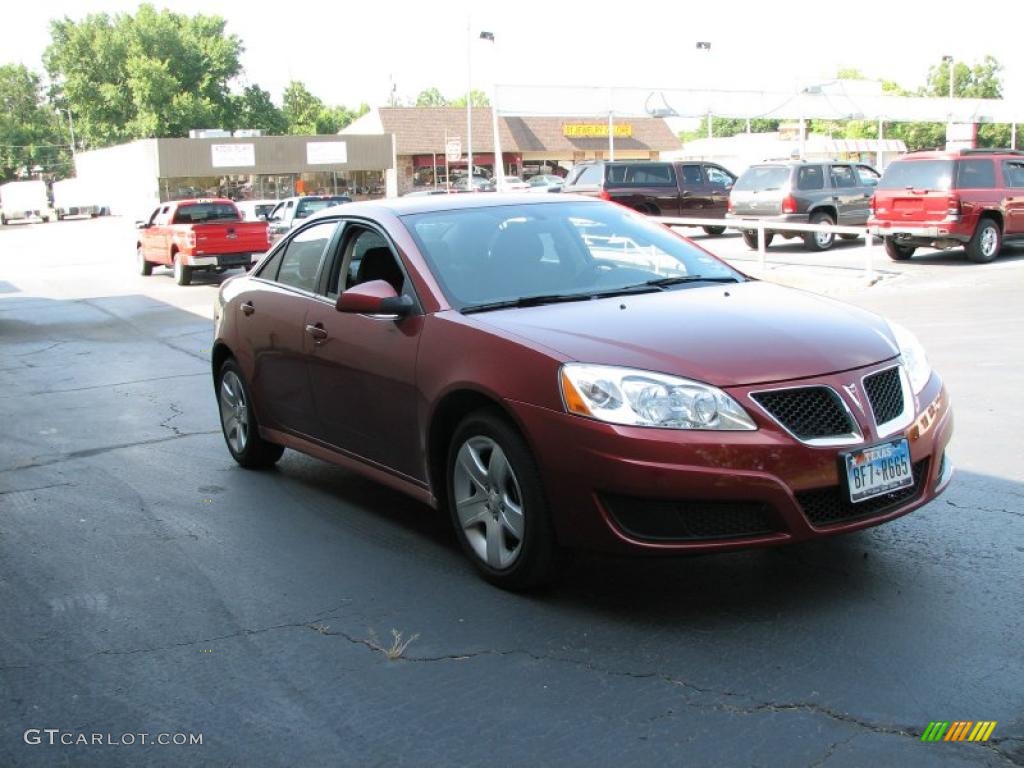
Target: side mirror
{"points": [[142, 225], [376, 297]]}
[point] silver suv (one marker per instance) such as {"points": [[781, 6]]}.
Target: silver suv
{"points": [[827, 192]]}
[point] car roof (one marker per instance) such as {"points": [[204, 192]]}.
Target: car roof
{"points": [[405, 206], [201, 201]]}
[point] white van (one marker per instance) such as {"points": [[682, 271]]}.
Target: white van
{"points": [[21, 200]]}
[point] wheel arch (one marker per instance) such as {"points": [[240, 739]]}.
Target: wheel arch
{"points": [[824, 208], [219, 354]]}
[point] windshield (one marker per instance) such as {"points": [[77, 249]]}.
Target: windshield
{"points": [[512, 252], [307, 208], [918, 174], [200, 213], [763, 177]]}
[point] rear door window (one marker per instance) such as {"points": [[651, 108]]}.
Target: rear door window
{"points": [[1013, 173], [842, 177], [975, 174], [692, 176], [868, 176], [718, 177], [811, 177]]}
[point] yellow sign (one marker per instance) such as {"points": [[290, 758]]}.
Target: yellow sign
{"points": [[595, 130]]}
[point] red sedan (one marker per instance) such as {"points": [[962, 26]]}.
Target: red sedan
{"points": [[565, 373]]}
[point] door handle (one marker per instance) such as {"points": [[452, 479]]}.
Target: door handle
{"points": [[247, 308], [835, 199], [317, 332]]}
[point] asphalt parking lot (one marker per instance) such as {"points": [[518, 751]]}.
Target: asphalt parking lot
{"points": [[149, 585]]}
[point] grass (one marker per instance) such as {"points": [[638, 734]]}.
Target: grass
{"points": [[398, 644]]}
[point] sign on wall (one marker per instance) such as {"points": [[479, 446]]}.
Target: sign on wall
{"points": [[453, 148], [595, 130], [232, 155], [326, 152]]}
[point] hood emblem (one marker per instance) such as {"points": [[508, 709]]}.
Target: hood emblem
{"points": [[851, 390]]}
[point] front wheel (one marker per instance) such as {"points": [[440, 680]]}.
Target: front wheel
{"points": [[750, 238], [238, 421], [145, 267], [897, 252], [714, 230], [497, 504], [182, 272], [986, 243]]}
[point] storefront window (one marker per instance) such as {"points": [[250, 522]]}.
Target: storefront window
{"points": [[359, 185]]}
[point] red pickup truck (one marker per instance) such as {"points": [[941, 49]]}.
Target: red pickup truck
{"points": [[199, 234]]}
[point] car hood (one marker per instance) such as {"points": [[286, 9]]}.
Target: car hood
{"points": [[726, 335]]}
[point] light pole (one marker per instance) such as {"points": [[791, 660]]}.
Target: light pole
{"points": [[469, 103], [950, 63], [704, 45], [499, 159]]}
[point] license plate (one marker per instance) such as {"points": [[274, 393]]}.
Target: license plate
{"points": [[878, 469]]}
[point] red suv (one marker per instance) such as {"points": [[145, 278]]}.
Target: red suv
{"points": [[973, 198]]}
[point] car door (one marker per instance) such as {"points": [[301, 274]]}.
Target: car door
{"points": [[867, 178], [1013, 180], [363, 367], [846, 194], [720, 183], [273, 325], [156, 237], [694, 194]]}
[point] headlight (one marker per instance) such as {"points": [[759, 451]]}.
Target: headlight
{"points": [[645, 399], [914, 358]]}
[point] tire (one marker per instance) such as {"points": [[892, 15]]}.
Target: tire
{"points": [[145, 267], [490, 474], [897, 252], [238, 421], [182, 272], [750, 238], [985, 243], [714, 230], [819, 241], [850, 237]]}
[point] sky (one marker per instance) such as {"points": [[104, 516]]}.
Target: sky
{"points": [[352, 52]]}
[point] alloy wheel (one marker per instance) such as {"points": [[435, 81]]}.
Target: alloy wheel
{"points": [[489, 502], [234, 411]]}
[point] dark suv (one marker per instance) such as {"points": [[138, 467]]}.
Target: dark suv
{"points": [[973, 198], [657, 188], [826, 192]]}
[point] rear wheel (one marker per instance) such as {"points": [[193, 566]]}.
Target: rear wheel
{"points": [[714, 230], [986, 242], [238, 421], [145, 267], [182, 272], [497, 503], [819, 241], [898, 252], [750, 238]]}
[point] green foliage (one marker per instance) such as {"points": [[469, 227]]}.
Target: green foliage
{"points": [[307, 114], [157, 73], [253, 108], [30, 132], [479, 99], [432, 97], [727, 126]]}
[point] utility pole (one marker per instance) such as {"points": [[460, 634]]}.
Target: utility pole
{"points": [[469, 100]]}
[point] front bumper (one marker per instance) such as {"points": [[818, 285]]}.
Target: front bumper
{"points": [[749, 489]]}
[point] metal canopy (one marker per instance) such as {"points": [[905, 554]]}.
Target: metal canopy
{"points": [[832, 101]]}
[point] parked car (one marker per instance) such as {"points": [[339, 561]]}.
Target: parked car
{"points": [[256, 210], [77, 197], [514, 184], [972, 198], [657, 188], [557, 371], [479, 184], [806, 193], [290, 211], [201, 234], [23, 200], [545, 182]]}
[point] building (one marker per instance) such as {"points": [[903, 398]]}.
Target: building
{"points": [[133, 178], [529, 144]]}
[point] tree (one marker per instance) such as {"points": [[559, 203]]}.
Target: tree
{"points": [[30, 132], [253, 108], [432, 97], [479, 99], [306, 114], [157, 73]]}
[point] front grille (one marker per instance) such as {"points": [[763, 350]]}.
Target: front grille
{"points": [[885, 393], [689, 520], [829, 506], [807, 412]]}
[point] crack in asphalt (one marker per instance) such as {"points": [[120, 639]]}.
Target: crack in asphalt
{"points": [[175, 413], [87, 452], [40, 351], [37, 488], [985, 509], [832, 750], [117, 384]]}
